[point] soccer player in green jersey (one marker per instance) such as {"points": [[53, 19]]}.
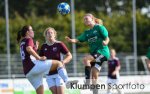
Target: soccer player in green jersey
{"points": [[97, 38], [148, 60]]}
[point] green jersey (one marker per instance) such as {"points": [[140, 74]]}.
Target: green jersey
{"points": [[148, 53], [95, 37]]}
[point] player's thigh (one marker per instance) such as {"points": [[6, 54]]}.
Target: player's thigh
{"points": [[59, 81], [60, 85], [55, 65], [95, 73], [50, 81], [41, 67], [35, 80], [89, 58], [60, 90], [53, 90]]}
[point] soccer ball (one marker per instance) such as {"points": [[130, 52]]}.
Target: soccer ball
{"points": [[63, 8]]}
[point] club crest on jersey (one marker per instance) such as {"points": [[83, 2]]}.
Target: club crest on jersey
{"points": [[54, 49], [45, 49]]}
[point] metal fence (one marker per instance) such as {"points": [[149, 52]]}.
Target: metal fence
{"points": [[128, 67]]}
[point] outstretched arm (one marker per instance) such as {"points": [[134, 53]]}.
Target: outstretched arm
{"points": [[71, 40]]}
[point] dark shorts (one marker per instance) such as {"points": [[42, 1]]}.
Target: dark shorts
{"points": [[96, 55]]}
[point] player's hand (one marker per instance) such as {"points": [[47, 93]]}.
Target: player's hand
{"points": [[114, 73], [43, 58], [37, 44], [104, 43], [67, 38]]}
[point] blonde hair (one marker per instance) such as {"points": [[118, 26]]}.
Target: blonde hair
{"points": [[50, 28], [113, 51], [96, 20]]}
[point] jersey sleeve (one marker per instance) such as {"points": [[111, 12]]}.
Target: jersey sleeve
{"points": [[103, 31], [118, 62], [30, 42], [41, 53], [63, 48], [82, 37], [148, 53]]}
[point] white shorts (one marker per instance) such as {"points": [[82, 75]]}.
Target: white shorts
{"points": [[112, 81], [54, 80], [35, 75]]}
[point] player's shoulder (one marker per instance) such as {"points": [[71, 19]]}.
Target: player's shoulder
{"points": [[58, 42], [99, 25], [44, 44], [28, 40]]}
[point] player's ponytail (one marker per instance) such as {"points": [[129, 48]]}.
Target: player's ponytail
{"points": [[98, 21], [22, 32], [18, 36]]}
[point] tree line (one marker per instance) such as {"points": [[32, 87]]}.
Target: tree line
{"points": [[42, 14]]}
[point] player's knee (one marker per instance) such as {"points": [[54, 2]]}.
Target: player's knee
{"points": [[57, 63], [94, 73], [84, 59]]}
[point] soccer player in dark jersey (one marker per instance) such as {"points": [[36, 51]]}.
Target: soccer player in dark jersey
{"points": [[55, 50], [148, 58], [97, 38], [36, 66], [113, 71]]}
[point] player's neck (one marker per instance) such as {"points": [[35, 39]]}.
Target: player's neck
{"points": [[50, 42], [27, 37], [112, 57], [91, 25]]}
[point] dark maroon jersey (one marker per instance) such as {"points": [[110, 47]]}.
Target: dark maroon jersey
{"points": [[112, 64], [26, 60], [54, 51]]}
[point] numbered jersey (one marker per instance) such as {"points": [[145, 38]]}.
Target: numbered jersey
{"points": [[25, 56]]}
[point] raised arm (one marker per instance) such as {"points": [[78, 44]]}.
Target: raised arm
{"points": [[71, 40]]}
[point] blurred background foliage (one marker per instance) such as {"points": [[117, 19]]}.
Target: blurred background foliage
{"points": [[116, 15]]}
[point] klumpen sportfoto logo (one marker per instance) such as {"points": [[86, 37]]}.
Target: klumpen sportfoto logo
{"points": [[107, 86]]}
